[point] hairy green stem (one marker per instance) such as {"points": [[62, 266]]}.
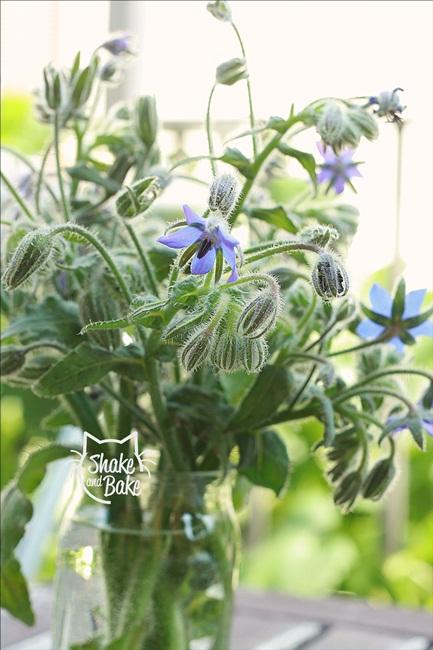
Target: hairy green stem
{"points": [[41, 179], [373, 391], [23, 205], [361, 346], [94, 241], [285, 247], [58, 165], [144, 261], [209, 133], [250, 96]]}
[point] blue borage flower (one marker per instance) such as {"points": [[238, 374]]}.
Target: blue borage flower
{"points": [[338, 169], [211, 235], [385, 319], [425, 420]]}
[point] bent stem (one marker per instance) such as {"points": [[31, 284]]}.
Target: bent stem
{"points": [[209, 133], [58, 166], [23, 205], [250, 96]]}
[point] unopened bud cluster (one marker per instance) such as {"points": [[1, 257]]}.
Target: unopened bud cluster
{"points": [[236, 340], [137, 198], [340, 125]]}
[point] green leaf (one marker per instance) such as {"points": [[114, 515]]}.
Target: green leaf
{"points": [[305, 159], [236, 158], [264, 460], [83, 366], [52, 319], [277, 217], [33, 471], [16, 512], [269, 390], [90, 175], [14, 593], [399, 300]]}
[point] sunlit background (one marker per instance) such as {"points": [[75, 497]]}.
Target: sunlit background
{"points": [[297, 52]]}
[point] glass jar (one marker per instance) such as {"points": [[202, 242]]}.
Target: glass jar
{"points": [[150, 572]]}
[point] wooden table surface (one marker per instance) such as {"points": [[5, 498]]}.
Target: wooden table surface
{"points": [[269, 621]]}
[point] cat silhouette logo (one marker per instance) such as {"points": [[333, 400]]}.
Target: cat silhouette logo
{"points": [[105, 473]]}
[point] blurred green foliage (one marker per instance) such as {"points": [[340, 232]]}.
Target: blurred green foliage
{"points": [[19, 128]]}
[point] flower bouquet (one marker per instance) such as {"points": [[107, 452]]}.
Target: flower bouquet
{"points": [[178, 340]]}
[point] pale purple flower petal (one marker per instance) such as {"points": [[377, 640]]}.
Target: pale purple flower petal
{"points": [[230, 257], [181, 238], [346, 156], [428, 426], [399, 345], [202, 265], [353, 172], [368, 329], [325, 175], [192, 218], [339, 182], [381, 301], [413, 303], [425, 329]]}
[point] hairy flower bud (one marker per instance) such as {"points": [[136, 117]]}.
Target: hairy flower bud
{"points": [[329, 277], [260, 315], [254, 354], [330, 125], [196, 350], [229, 72], [223, 194], [378, 479], [12, 358], [220, 10], [319, 235], [348, 489], [120, 44], [31, 254], [227, 351], [365, 123], [83, 84], [137, 198], [146, 120]]}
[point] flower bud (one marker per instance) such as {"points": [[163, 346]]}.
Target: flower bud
{"points": [[82, 86], [330, 126], [223, 194], [146, 120], [378, 479], [346, 309], [196, 350], [364, 122], [53, 87], [31, 254], [12, 358], [259, 316], [229, 72], [137, 198], [220, 10], [329, 277], [227, 351], [348, 490], [254, 354], [319, 235]]}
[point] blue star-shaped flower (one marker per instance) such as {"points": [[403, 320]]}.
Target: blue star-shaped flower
{"points": [[397, 329], [210, 236]]}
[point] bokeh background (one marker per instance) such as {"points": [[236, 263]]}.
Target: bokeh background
{"points": [[297, 51]]}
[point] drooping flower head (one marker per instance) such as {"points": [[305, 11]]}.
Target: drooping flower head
{"points": [[208, 236], [388, 105], [338, 169], [120, 44], [398, 320]]}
